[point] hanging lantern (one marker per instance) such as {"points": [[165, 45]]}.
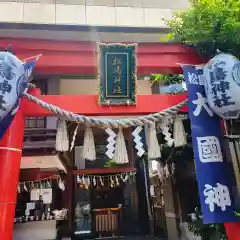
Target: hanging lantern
{"points": [[222, 86], [13, 82]]}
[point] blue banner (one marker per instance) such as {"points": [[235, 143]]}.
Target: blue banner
{"points": [[13, 82], [213, 177], [29, 66], [5, 123], [117, 73]]}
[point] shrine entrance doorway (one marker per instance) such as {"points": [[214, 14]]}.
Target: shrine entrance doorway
{"points": [[107, 197], [107, 209]]}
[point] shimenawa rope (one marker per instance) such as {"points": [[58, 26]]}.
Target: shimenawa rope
{"points": [[112, 123]]}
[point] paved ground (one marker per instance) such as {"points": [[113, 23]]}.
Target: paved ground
{"points": [[141, 238], [135, 238], [128, 238]]}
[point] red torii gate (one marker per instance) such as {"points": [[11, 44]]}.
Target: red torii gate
{"points": [[12, 142]]}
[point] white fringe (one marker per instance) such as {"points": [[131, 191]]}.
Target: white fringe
{"points": [[179, 133], [121, 155], [154, 150], [61, 184], [62, 141], [89, 151], [74, 137], [167, 172], [160, 171], [19, 188]]}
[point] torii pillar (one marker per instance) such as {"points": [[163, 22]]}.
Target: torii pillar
{"points": [[11, 146], [10, 158]]}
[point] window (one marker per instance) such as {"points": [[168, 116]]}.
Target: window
{"points": [[37, 122]]}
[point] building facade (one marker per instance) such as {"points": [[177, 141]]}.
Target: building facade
{"points": [[115, 13], [83, 20]]}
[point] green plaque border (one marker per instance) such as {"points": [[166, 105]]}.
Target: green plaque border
{"points": [[130, 100]]}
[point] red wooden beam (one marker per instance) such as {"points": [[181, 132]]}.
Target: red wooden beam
{"points": [[124, 169], [79, 58], [36, 174], [88, 105]]}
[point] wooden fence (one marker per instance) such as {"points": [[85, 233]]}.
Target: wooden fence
{"points": [[107, 221]]}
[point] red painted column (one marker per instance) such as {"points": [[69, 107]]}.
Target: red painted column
{"points": [[232, 230], [10, 159]]}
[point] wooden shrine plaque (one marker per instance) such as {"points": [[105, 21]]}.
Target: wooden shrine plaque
{"points": [[117, 74]]}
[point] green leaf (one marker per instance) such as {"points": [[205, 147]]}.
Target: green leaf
{"points": [[110, 164], [165, 79], [237, 214], [209, 25]]}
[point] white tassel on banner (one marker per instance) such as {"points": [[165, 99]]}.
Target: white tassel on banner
{"points": [[62, 141], [179, 133], [154, 150], [89, 151], [121, 155]]}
